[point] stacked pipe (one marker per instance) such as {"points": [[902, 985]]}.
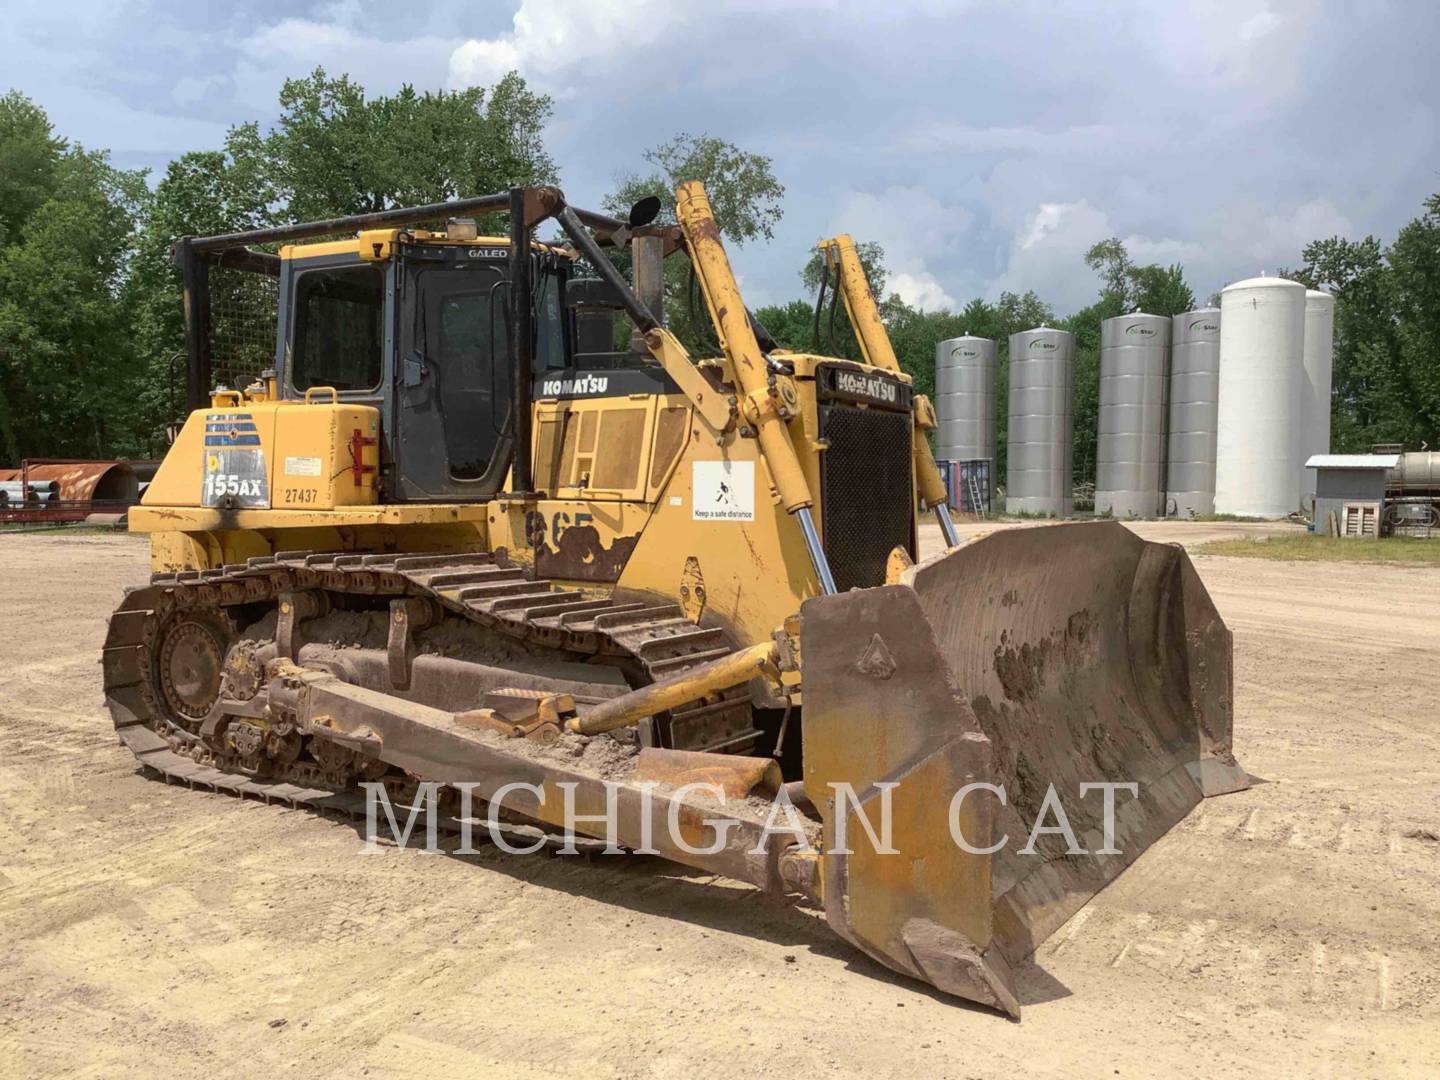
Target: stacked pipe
{"points": [[19, 492]]}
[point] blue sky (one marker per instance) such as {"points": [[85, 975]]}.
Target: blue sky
{"points": [[985, 145]]}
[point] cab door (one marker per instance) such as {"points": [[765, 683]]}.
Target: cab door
{"points": [[453, 382]]}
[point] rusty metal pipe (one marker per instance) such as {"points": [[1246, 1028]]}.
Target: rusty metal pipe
{"points": [[521, 317], [380, 219], [681, 689]]}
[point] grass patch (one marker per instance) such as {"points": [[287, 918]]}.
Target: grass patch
{"points": [[1225, 517], [1307, 547], [76, 529]]}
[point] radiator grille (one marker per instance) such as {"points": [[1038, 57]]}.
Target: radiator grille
{"points": [[866, 492]]}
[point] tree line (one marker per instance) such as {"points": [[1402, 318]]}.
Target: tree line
{"points": [[91, 342]]}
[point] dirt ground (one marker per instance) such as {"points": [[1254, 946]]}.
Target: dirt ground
{"points": [[1290, 929]]}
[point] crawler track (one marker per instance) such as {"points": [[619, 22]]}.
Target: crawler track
{"points": [[649, 641]]}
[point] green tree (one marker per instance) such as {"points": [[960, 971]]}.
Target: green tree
{"points": [[1154, 289], [1365, 358], [744, 197], [789, 324], [203, 192], [744, 194], [1386, 381], [68, 361], [1415, 273], [333, 151], [29, 156], [836, 337]]}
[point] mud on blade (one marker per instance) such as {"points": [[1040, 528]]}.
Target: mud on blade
{"points": [[1031, 658]]}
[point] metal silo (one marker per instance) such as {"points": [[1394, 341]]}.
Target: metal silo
{"points": [[965, 400], [1037, 476], [1194, 408], [1262, 341], [1130, 443], [1319, 354]]}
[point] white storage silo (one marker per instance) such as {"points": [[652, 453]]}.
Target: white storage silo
{"points": [[1194, 397], [1130, 441], [965, 401], [1314, 430], [1038, 450], [1262, 341]]}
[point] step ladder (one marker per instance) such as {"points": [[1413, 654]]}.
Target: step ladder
{"points": [[977, 507]]}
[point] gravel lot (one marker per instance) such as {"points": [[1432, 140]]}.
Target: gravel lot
{"points": [[1290, 929]]}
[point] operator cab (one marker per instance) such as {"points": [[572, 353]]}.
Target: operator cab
{"points": [[415, 324]]}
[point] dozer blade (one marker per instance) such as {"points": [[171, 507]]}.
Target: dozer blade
{"points": [[1031, 659]]}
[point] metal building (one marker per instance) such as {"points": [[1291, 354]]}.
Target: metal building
{"points": [[1350, 492], [1194, 398], [965, 370], [1039, 442], [1130, 443], [1262, 339], [1319, 361]]}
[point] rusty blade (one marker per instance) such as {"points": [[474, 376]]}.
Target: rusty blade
{"points": [[1031, 659], [882, 708], [739, 777], [1088, 655]]}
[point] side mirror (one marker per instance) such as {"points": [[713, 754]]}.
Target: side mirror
{"points": [[644, 212], [592, 293]]}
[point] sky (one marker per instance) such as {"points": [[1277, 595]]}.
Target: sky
{"points": [[985, 145]]}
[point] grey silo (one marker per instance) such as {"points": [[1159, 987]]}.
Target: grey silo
{"points": [[1039, 439], [1130, 443], [965, 370], [1194, 412]]}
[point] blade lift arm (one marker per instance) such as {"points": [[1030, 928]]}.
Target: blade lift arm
{"points": [[763, 410]]}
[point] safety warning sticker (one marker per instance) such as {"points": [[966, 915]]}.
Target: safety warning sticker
{"points": [[723, 491]]}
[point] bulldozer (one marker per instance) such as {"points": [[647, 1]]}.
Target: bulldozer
{"points": [[463, 548]]}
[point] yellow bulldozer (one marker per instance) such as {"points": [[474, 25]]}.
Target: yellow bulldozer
{"points": [[462, 550]]}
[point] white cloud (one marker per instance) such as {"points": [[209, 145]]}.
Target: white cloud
{"points": [[914, 227], [1212, 135], [1048, 254], [191, 89], [920, 291], [943, 137], [557, 43], [1311, 220], [480, 63], [294, 47]]}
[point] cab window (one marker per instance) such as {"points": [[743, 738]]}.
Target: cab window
{"points": [[549, 323], [339, 332]]}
